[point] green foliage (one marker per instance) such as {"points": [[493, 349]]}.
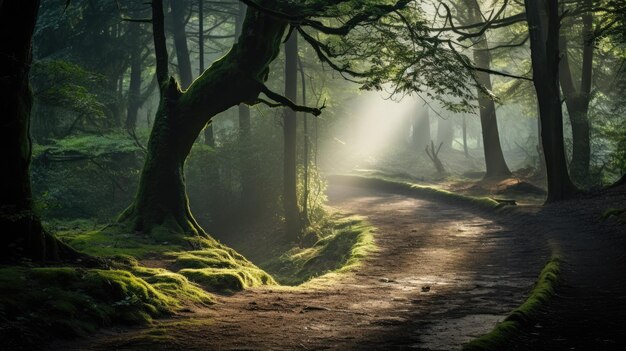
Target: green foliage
{"points": [[88, 176], [65, 84], [67, 99]]}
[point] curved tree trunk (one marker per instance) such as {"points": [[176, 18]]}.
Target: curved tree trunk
{"points": [[23, 236], [161, 201]]}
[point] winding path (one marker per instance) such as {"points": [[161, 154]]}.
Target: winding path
{"points": [[442, 276]]}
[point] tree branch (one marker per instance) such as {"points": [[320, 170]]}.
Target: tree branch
{"points": [[282, 101]]}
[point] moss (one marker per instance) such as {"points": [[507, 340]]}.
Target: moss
{"points": [[349, 241], [209, 254], [416, 190], [619, 213], [228, 280], [111, 241], [216, 258], [173, 285], [66, 301], [523, 317]]}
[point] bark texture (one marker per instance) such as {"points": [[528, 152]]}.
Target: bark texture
{"points": [[577, 99], [161, 202], [543, 26], [290, 196], [23, 236], [494, 158]]}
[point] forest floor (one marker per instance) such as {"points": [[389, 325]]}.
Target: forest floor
{"points": [[442, 275]]}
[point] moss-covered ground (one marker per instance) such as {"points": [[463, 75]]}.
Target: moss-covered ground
{"points": [[341, 245], [147, 278], [38, 302]]}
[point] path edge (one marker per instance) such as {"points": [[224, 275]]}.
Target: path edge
{"points": [[416, 190], [524, 317]]}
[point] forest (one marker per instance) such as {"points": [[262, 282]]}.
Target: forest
{"points": [[313, 175]]}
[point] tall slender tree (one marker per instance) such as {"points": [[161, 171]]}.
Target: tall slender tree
{"points": [[178, 14], [421, 128], [543, 26], [494, 158], [290, 196], [578, 96]]}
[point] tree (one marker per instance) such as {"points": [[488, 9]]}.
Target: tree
{"points": [[494, 158], [543, 27], [238, 77], [578, 97], [421, 127], [177, 14], [23, 235], [290, 196]]}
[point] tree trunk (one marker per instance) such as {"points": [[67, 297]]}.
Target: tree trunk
{"points": [[445, 133], [161, 207], [209, 138], [543, 26], [494, 158], [244, 110], [577, 100], [421, 128], [290, 197], [23, 236], [307, 141], [134, 88], [465, 151], [248, 164], [180, 42]]}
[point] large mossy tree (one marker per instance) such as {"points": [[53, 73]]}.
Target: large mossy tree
{"points": [[23, 236], [161, 204]]}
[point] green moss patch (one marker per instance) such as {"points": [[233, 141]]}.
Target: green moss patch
{"points": [[619, 214], [523, 317], [348, 242], [65, 301], [205, 261], [415, 190]]}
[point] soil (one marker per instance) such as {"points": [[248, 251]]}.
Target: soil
{"points": [[442, 276]]}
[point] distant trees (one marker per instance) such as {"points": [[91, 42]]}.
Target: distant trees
{"points": [[239, 76]]}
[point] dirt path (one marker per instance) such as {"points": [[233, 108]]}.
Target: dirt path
{"points": [[442, 276]]}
